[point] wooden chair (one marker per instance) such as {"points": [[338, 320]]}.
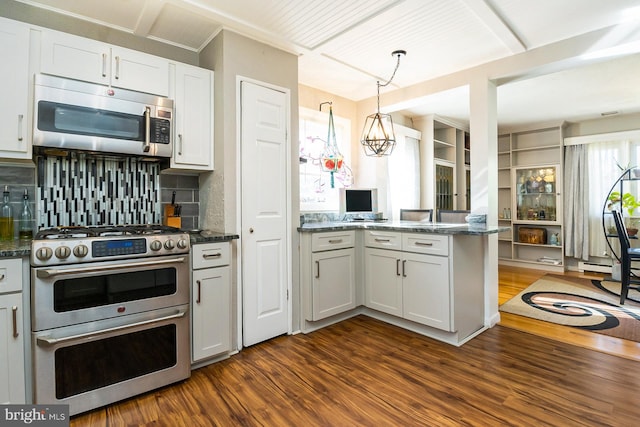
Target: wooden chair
{"points": [[424, 215], [451, 216], [627, 255]]}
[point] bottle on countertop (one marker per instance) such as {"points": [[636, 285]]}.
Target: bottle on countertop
{"points": [[6, 216], [25, 229]]}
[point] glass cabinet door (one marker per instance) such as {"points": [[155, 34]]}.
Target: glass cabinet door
{"points": [[445, 186], [537, 194]]}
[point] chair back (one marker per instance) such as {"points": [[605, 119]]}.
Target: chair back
{"points": [[625, 244], [424, 215], [452, 216]]}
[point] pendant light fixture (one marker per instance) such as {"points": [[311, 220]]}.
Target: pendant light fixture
{"points": [[331, 159], [378, 137]]}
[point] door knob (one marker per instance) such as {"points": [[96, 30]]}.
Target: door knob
{"points": [[250, 229]]}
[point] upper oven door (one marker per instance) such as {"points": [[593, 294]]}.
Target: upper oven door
{"points": [[71, 294], [76, 115]]}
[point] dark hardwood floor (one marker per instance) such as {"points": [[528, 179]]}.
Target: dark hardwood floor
{"points": [[363, 372]]}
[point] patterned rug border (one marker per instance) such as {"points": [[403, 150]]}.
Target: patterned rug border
{"points": [[581, 303]]}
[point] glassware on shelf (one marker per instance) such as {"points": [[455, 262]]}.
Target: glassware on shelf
{"points": [[536, 197]]}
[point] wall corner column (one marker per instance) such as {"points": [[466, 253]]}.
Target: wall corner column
{"points": [[484, 181]]}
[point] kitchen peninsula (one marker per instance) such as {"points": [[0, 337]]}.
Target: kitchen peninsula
{"points": [[425, 277]]}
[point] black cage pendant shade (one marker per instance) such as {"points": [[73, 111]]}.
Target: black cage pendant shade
{"points": [[378, 136]]}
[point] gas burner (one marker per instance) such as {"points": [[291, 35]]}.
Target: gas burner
{"points": [[78, 232], [69, 232]]}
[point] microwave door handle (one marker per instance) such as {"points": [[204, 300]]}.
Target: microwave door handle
{"points": [[147, 129]]}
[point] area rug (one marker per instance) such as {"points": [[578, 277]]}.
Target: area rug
{"points": [[581, 303]]}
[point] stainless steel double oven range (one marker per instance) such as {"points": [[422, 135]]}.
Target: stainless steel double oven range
{"points": [[109, 313]]}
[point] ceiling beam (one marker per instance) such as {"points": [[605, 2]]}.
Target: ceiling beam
{"points": [[496, 25], [148, 16]]}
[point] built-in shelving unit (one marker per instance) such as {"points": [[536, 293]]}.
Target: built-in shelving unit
{"points": [[530, 197]]}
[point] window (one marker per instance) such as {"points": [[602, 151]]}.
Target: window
{"points": [[603, 158], [316, 192]]}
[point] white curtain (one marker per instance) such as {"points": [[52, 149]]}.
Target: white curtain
{"points": [[576, 212], [607, 160], [404, 175]]}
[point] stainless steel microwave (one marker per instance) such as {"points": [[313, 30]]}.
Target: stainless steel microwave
{"points": [[76, 115]]}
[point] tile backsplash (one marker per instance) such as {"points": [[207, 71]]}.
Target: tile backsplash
{"points": [[84, 190]]}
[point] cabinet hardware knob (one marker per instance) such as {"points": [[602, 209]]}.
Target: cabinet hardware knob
{"points": [[382, 240], [117, 68], [198, 299], [397, 267], [250, 229], [20, 118], [404, 268], [335, 241], [14, 309], [423, 244], [317, 269], [209, 256], [104, 65], [1, 276]]}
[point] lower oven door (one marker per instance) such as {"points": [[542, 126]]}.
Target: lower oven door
{"points": [[91, 365], [70, 294]]}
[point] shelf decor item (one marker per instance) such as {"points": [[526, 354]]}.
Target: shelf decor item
{"points": [[533, 235], [378, 137], [331, 159]]}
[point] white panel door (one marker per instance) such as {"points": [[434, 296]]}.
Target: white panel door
{"points": [[264, 213]]}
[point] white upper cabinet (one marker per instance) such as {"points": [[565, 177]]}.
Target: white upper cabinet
{"points": [[92, 61], [15, 140], [192, 90]]}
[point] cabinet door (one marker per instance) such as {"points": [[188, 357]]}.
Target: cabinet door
{"points": [[139, 71], [193, 94], [15, 141], [75, 57], [210, 311], [334, 283], [426, 290], [383, 280], [12, 386]]}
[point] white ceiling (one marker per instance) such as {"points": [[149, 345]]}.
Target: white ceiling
{"points": [[345, 46]]}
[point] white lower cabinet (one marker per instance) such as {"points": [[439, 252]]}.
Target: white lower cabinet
{"points": [[328, 269], [210, 301], [414, 286], [12, 365], [334, 289]]}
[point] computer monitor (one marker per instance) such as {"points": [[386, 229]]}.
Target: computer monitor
{"points": [[358, 200]]}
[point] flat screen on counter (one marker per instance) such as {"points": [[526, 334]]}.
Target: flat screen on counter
{"points": [[358, 200]]}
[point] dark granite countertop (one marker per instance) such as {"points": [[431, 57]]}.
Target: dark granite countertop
{"points": [[15, 248], [208, 236], [404, 226]]}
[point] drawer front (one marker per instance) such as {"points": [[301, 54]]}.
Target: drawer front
{"points": [[383, 239], [332, 240], [433, 244], [10, 275], [206, 255]]}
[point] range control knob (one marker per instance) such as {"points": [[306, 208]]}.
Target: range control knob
{"points": [[155, 245], [44, 254], [81, 251], [169, 244], [182, 244], [63, 252]]}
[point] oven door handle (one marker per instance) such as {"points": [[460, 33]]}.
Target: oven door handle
{"points": [[46, 341], [50, 272]]}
